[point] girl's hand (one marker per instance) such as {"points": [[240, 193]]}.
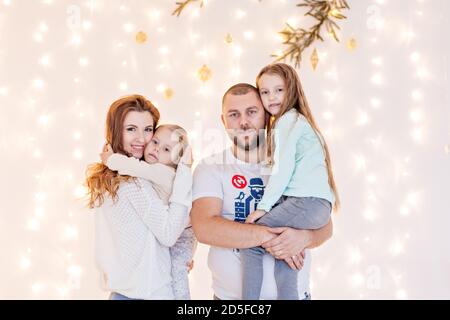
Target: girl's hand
{"points": [[289, 243], [107, 152], [255, 215]]}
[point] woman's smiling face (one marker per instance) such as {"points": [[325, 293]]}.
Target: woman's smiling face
{"points": [[137, 132]]}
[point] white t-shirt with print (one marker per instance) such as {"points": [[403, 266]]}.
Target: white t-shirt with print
{"points": [[240, 186]]}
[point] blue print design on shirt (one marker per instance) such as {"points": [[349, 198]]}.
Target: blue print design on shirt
{"points": [[243, 206]]}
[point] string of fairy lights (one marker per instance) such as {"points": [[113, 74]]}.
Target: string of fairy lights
{"points": [[62, 249]]}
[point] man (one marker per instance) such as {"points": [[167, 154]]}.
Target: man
{"points": [[227, 187]]}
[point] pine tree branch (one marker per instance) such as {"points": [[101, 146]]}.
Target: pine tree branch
{"points": [[182, 5], [325, 12]]}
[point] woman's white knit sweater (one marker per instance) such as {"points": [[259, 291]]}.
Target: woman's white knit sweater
{"points": [[133, 236]]}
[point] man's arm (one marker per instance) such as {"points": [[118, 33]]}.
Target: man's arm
{"points": [[320, 236], [212, 229]]}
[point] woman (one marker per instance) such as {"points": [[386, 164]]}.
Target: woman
{"points": [[134, 229]]}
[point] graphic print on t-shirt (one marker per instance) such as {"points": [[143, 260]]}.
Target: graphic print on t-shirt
{"points": [[246, 203]]}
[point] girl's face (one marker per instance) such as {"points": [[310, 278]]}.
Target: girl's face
{"points": [[163, 148], [272, 90], [137, 132]]}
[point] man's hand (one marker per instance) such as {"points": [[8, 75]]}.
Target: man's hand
{"points": [[296, 262], [289, 243], [107, 152], [255, 215]]}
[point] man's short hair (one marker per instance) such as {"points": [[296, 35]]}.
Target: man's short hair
{"points": [[240, 89]]}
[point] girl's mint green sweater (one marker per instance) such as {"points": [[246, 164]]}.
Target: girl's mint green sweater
{"points": [[299, 168]]}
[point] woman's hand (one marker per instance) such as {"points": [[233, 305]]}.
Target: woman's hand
{"points": [[107, 152], [288, 244]]}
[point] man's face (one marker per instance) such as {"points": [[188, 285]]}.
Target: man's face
{"points": [[244, 119]]}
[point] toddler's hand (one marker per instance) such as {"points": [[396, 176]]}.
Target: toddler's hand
{"points": [[186, 159], [107, 152], [190, 265], [255, 215]]}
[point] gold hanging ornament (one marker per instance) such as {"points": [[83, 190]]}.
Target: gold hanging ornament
{"points": [[352, 44], [314, 59], [168, 93], [229, 39], [141, 37], [204, 73]]}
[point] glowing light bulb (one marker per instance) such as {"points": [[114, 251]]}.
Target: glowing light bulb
{"points": [[397, 247], [377, 79], [328, 115], [77, 135], [70, 232], [363, 119], [404, 211], [37, 288], [370, 214], [80, 192], [377, 61], [74, 271], [33, 224], [38, 83], [415, 57], [128, 27], [44, 120], [24, 263], [84, 62], [375, 103], [401, 294], [417, 95], [249, 35], [416, 116], [355, 256], [40, 197], [45, 60], [39, 212], [418, 135], [240, 14], [360, 162], [123, 86], [357, 280]]}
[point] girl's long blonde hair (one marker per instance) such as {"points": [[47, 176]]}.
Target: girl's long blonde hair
{"points": [[295, 98], [100, 180]]}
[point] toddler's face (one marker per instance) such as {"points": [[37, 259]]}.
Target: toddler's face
{"points": [[272, 90], [163, 148]]}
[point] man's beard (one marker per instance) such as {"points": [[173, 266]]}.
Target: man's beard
{"points": [[248, 145]]}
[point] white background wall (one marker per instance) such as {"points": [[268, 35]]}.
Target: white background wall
{"points": [[384, 108]]}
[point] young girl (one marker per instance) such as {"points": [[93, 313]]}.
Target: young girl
{"points": [[162, 155], [301, 190]]}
